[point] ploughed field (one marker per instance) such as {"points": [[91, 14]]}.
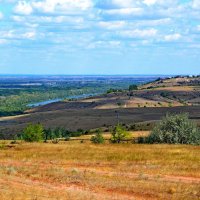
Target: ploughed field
{"points": [[74, 170]]}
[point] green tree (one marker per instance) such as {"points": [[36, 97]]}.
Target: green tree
{"points": [[133, 87], [98, 138], [175, 129], [33, 133], [119, 134], [58, 132]]}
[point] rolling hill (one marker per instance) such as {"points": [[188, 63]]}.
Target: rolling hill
{"points": [[146, 105]]}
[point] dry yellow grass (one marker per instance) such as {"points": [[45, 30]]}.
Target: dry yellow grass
{"points": [[74, 170], [176, 88], [133, 134]]}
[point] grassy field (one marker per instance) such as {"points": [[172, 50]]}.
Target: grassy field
{"points": [[84, 171]]}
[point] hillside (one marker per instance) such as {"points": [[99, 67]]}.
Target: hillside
{"points": [[174, 81], [163, 93], [138, 106]]}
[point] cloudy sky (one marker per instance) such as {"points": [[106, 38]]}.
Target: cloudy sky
{"points": [[100, 36]]}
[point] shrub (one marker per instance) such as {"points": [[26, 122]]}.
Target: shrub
{"points": [[132, 127], [33, 133], [175, 129], [58, 132], [75, 134], [80, 131], [133, 87], [164, 94], [98, 138], [111, 90], [119, 104], [118, 134]]}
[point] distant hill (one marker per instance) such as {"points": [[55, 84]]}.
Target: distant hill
{"points": [[174, 81], [146, 105]]}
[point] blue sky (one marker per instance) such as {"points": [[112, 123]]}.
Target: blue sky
{"points": [[100, 37]]}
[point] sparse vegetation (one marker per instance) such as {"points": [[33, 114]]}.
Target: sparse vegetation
{"points": [[111, 90], [175, 129], [98, 138], [133, 87], [33, 133], [118, 134], [70, 170]]}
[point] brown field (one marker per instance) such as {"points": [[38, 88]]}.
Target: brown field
{"points": [[174, 82], [83, 171], [73, 119], [141, 106], [178, 88]]}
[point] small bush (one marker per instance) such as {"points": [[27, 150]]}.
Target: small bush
{"points": [[98, 138], [175, 129], [118, 134], [119, 104], [132, 127], [133, 87], [75, 134], [33, 133]]}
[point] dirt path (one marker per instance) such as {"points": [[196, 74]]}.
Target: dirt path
{"points": [[96, 193], [97, 170]]}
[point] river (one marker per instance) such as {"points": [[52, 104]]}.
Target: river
{"points": [[42, 103]]}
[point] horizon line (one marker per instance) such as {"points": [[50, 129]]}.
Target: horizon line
{"points": [[97, 74]]}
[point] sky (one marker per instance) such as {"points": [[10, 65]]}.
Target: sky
{"points": [[100, 37]]}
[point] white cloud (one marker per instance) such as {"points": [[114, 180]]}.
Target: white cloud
{"points": [[196, 4], [7, 34], [50, 6], [1, 15], [137, 33], [112, 24], [143, 21], [29, 35], [125, 11], [104, 44], [172, 37], [17, 18], [23, 8], [123, 3], [13, 34], [157, 22], [164, 3], [150, 2]]}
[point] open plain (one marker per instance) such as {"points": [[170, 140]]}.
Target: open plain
{"points": [[74, 170]]}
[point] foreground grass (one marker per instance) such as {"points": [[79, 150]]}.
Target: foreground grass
{"points": [[75, 170]]}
